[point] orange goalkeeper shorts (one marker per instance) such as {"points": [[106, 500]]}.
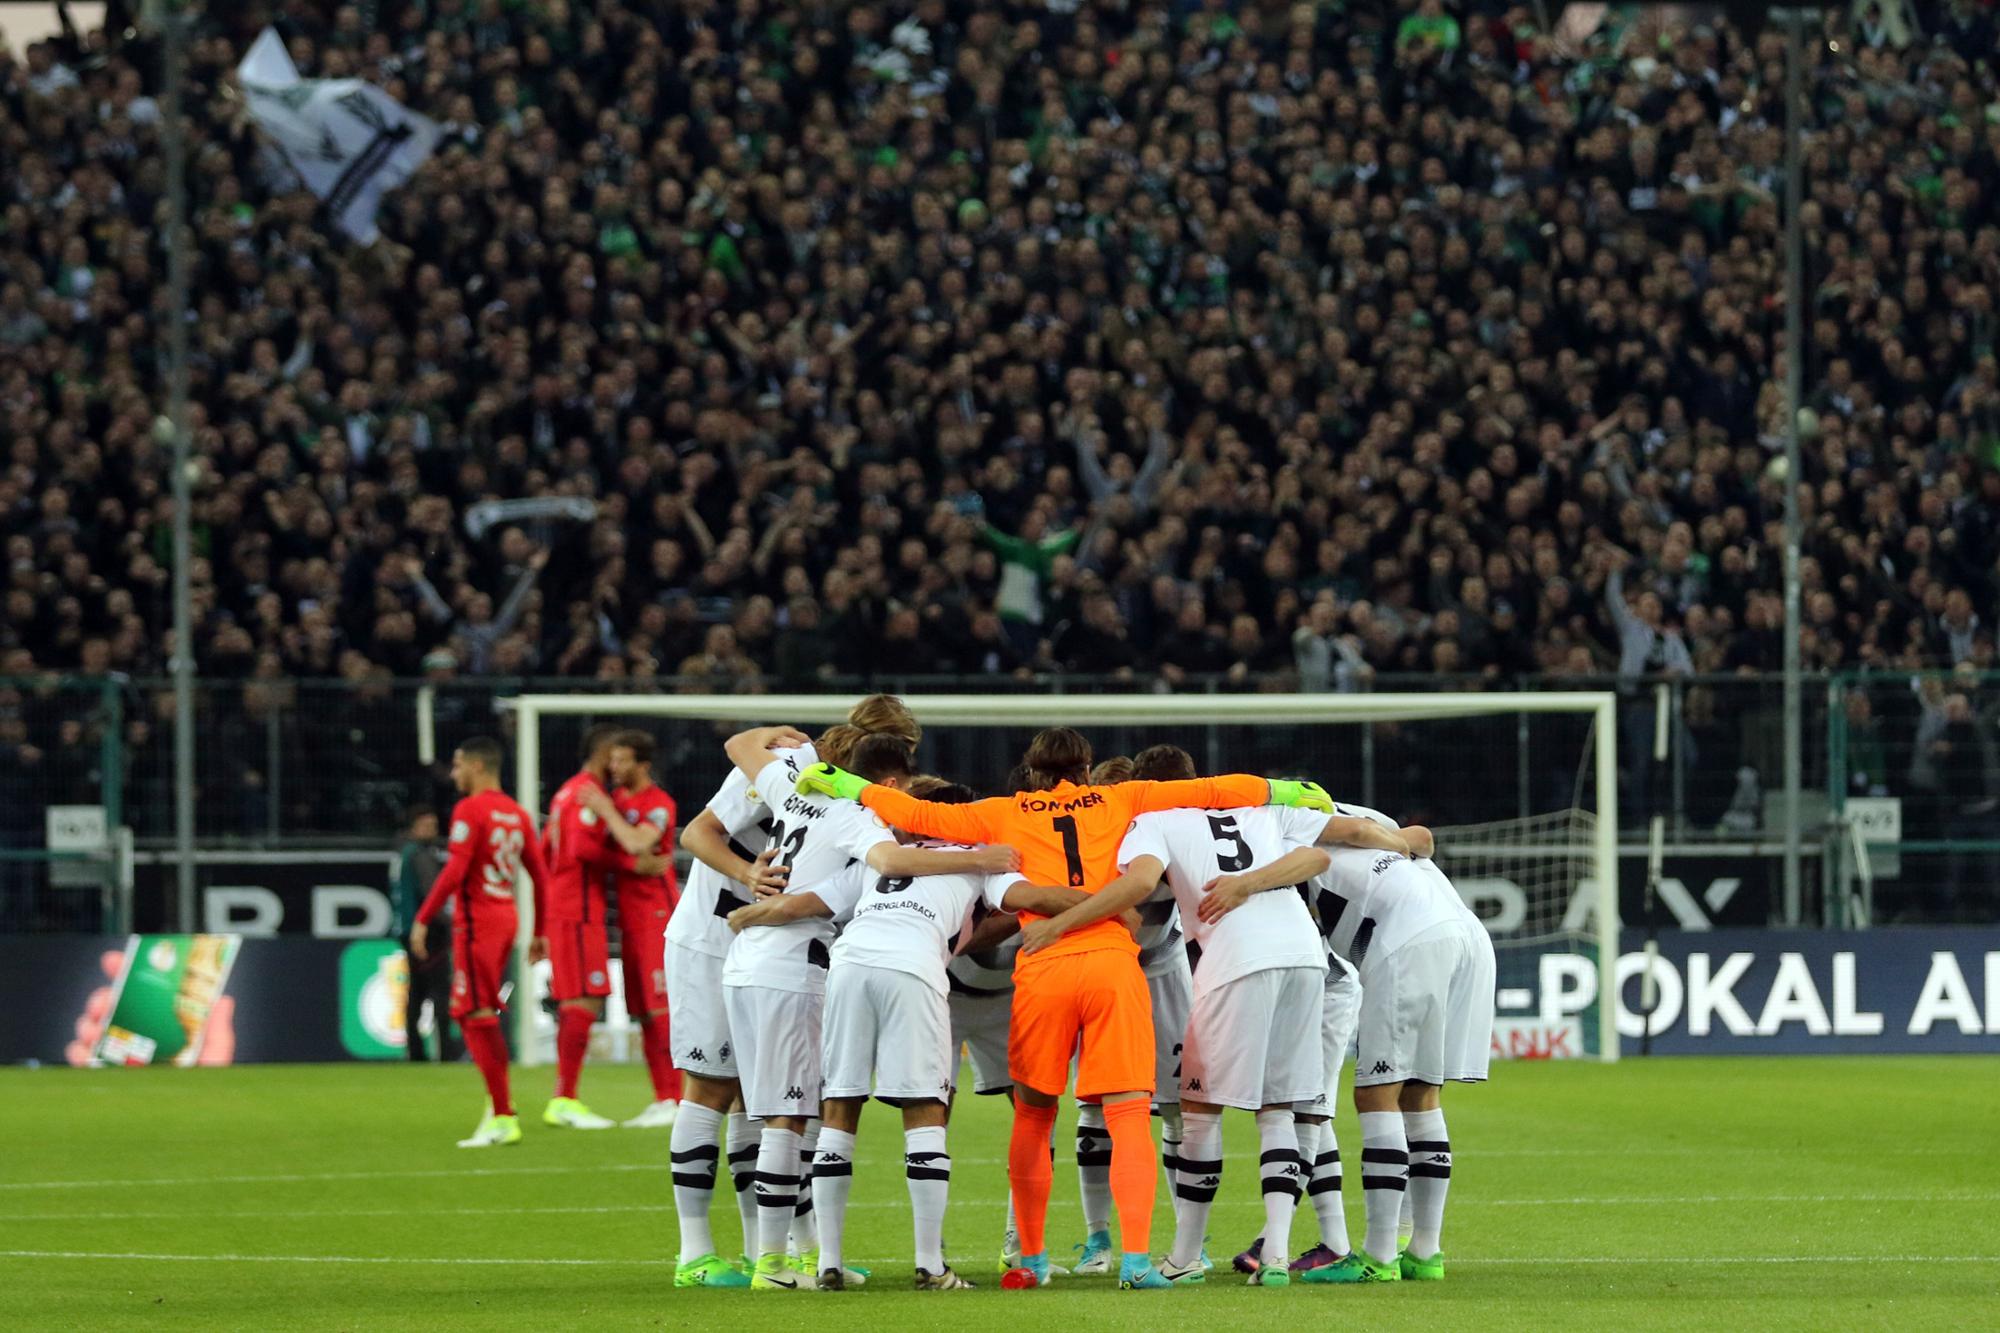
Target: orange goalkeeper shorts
{"points": [[1096, 1001]]}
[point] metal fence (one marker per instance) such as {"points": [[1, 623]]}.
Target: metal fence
{"points": [[294, 764]]}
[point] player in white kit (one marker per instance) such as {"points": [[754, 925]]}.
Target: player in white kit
{"points": [[729, 840], [1426, 968], [887, 1027], [1252, 1038], [773, 980]]}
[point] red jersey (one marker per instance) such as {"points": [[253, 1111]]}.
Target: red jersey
{"points": [[491, 841], [652, 806], [580, 853]]}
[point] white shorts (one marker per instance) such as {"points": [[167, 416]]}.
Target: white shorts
{"points": [[1340, 1010], [979, 1025], [1427, 1009], [888, 1026], [1255, 1041], [701, 1044], [777, 1048], [1173, 998]]}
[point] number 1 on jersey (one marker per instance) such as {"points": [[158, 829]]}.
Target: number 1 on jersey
{"points": [[1072, 852]]}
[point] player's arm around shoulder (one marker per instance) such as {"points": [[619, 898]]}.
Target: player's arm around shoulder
{"points": [[1121, 895], [1225, 893], [781, 910], [751, 750], [892, 858], [1356, 831]]}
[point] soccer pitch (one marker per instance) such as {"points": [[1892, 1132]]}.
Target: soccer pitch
{"points": [[1710, 1194]]}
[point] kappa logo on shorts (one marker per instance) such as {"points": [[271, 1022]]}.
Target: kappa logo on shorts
{"points": [[794, 1093], [697, 1054], [1194, 1085], [1381, 1066]]}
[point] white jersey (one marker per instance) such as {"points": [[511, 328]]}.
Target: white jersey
{"points": [[985, 971], [902, 924], [816, 840], [1162, 947], [701, 919], [1270, 930], [1373, 901]]}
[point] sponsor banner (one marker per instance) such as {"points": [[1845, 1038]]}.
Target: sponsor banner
{"points": [[1703, 891], [260, 895], [187, 999], [1773, 992], [374, 992]]}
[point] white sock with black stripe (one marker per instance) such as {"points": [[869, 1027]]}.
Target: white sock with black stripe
{"points": [[744, 1139], [694, 1150], [832, 1179], [1093, 1166], [1385, 1172], [1171, 1132], [1325, 1188], [777, 1188], [804, 1235], [1284, 1175], [1430, 1178], [1200, 1177], [927, 1170]]}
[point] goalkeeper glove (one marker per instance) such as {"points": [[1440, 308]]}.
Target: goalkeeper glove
{"points": [[1300, 795], [837, 783]]}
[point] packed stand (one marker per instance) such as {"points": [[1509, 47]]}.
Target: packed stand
{"points": [[1276, 344]]}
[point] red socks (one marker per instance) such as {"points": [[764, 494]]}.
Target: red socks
{"points": [[489, 1051], [1031, 1173], [1135, 1171], [572, 1040], [657, 1043]]}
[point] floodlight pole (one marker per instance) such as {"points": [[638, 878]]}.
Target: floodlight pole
{"points": [[1795, 26], [166, 19]]}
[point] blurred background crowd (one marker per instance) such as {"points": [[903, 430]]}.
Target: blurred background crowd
{"points": [[1178, 342]]}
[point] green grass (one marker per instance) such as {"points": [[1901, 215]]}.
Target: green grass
{"points": [[1709, 1194]]}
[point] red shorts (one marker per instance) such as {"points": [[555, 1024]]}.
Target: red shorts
{"points": [[642, 953], [480, 952], [579, 959]]}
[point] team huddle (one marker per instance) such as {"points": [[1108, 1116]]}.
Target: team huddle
{"points": [[1161, 944]]}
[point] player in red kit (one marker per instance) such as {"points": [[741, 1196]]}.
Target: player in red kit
{"points": [[582, 841], [491, 840], [645, 901]]}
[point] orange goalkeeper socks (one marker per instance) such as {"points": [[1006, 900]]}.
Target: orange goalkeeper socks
{"points": [[1031, 1173], [1135, 1171]]}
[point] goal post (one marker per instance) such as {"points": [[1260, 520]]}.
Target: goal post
{"points": [[1589, 914]]}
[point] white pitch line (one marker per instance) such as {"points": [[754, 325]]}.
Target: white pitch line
{"points": [[1580, 1201], [133, 1182], [538, 1261], [1635, 1261]]}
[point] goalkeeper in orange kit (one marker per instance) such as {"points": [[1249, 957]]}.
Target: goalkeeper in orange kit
{"points": [[1077, 983]]}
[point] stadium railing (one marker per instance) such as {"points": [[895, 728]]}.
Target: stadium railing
{"points": [[290, 766]]}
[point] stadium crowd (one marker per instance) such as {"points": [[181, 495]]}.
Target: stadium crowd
{"points": [[1263, 341]]}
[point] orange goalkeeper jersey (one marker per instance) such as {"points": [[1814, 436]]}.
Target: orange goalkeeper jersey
{"points": [[1068, 835]]}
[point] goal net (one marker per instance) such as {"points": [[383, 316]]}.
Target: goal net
{"points": [[1521, 789]]}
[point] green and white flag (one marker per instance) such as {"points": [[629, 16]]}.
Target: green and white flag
{"points": [[349, 141]]}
